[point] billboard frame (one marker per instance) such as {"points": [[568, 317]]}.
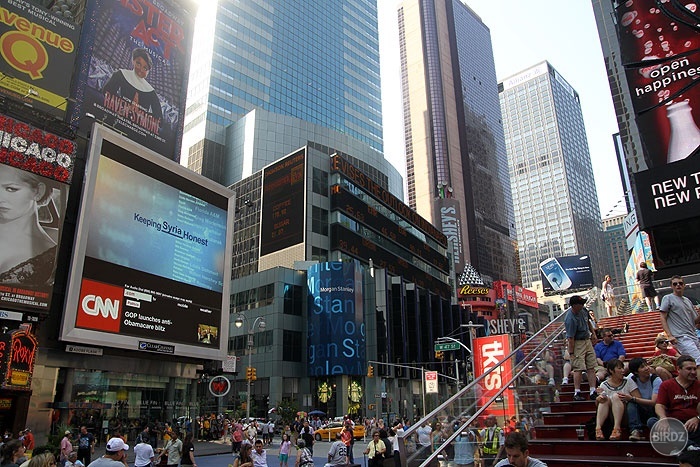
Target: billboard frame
{"points": [[69, 330]]}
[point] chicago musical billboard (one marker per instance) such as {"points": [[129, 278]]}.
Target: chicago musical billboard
{"points": [[36, 168], [152, 258], [133, 71]]}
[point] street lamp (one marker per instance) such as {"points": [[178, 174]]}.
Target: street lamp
{"points": [[260, 323]]}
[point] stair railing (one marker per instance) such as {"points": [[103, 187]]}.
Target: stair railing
{"points": [[457, 414]]}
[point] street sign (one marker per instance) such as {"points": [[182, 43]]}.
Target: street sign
{"points": [[431, 382], [447, 346]]}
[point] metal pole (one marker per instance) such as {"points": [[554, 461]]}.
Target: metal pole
{"points": [[425, 409], [457, 372], [250, 364]]}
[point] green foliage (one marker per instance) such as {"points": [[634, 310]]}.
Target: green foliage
{"points": [[287, 409]]}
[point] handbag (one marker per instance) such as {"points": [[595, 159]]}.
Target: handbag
{"points": [[663, 361]]}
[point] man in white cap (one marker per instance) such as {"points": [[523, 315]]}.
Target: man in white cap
{"points": [[66, 448], [115, 455]]}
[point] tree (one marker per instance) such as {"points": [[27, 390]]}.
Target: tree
{"points": [[287, 409]]}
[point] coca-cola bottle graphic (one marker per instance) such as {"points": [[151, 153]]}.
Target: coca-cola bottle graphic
{"points": [[685, 134]]}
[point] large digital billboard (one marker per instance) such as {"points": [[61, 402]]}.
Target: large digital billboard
{"points": [[134, 65], [336, 329], [284, 190], [37, 53], [566, 272], [152, 257], [36, 168], [660, 49]]}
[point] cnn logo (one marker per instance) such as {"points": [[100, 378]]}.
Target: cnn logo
{"points": [[100, 306], [94, 305]]}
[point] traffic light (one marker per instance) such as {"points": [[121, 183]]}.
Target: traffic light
{"points": [[253, 374], [370, 371], [250, 373], [439, 355]]}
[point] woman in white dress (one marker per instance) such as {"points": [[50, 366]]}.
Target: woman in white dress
{"points": [[608, 296], [613, 394]]}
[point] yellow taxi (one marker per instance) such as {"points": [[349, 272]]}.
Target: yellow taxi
{"points": [[328, 432]]}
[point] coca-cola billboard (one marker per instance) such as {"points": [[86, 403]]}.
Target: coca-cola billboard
{"points": [[660, 48]]}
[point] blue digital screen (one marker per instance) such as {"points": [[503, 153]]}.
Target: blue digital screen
{"points": [[336, 328]]}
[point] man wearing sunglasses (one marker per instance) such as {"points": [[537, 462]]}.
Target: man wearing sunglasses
{"points": [[678, 320]]}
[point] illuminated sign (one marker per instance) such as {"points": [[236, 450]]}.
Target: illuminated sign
{"points": [[37, 48], [488, 353], [151, 265], [133, 71], [41, 164], [355, 208], [451, 226], [566, 272], [473, 290], [660, 50], [17, 356], [284, 184], [219, 386], [338, 164], [336, 328]]}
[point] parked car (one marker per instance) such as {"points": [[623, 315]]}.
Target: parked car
{"points": [[329, 431]]}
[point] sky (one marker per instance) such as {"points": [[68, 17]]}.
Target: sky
{"points": [[524, 33]]}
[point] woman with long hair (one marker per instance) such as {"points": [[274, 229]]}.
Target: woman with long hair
{"points": [[28, 251], [613, 394], [244, 458]]}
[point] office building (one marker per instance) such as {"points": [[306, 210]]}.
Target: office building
{"points": [[457, 169], [616, 248], [316, 61], [554, 194], [315, 219]]}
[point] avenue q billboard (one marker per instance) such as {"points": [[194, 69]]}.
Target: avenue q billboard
{"points": [[36, 168], [152, 257], [660, 49], [38, 52], [133, 70]]}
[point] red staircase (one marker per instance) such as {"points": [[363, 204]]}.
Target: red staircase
{"points": [[556, 441]]}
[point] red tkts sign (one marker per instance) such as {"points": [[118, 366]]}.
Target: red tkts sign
{"points": [[488, 352]]}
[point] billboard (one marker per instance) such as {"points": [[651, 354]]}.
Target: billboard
{"points": [[36, 49], [640, 253], [336, 334], [36, 168], [566, 272], [152, 257], [660, 49], [284, 190], [488, 352], [134, 65]]}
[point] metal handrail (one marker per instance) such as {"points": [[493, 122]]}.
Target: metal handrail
{"points": [[543, 340]]}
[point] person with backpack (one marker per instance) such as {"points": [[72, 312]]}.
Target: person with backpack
{"points": [[641, 409]]}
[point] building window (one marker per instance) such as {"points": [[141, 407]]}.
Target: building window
{"points": [[319, 221], [291, 346], [320, 182], [319, 254], [293, 295]]}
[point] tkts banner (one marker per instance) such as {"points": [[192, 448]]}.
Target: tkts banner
{"points": [[660, 48], [35, 170], [488, 352], [38, 53], [134, 64]]}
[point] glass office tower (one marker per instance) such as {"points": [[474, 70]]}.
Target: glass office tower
{"points": [[457, 169], [554, 193], [317, 61]]}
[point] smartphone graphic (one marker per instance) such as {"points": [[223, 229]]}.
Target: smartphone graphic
{"points": [[555, 274]]}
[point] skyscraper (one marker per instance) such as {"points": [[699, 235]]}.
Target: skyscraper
{"points": [[456, 162], [317, 61], [554, 194]]}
